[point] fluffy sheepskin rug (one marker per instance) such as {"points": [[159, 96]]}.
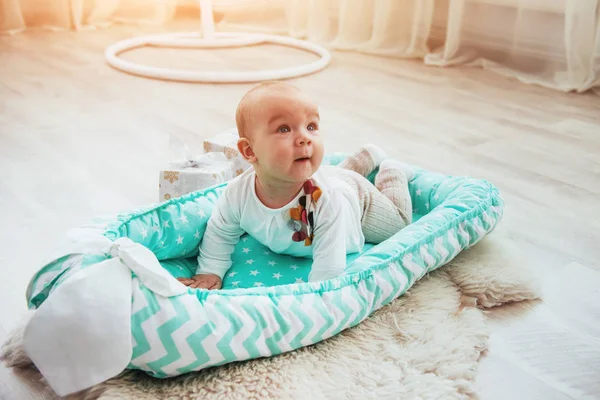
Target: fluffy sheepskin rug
{"points": [[426, 344]]}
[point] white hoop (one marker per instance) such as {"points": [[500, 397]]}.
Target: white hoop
{"points": [[210, 39], [216, 40]]}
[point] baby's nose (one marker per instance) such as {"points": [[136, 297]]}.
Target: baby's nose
{"points": [[303, 139]]}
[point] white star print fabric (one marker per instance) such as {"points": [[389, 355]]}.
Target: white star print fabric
{"points": [[254, 265]]}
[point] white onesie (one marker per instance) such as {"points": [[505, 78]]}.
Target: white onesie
{"points": [[336, 219]]}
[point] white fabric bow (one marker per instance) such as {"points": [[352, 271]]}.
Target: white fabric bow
{"points": [[81, 335], [211, 160], [145, 265]]}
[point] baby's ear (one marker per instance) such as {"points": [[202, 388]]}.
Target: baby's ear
{"points": [[245, 150]]}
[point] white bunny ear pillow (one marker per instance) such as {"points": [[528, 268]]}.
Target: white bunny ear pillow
{"points": [[81, 335]]}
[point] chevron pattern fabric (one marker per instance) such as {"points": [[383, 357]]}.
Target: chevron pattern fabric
{"points": [[201, 329]]}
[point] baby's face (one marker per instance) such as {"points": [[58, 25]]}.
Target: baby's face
{"points": [[285, 136]]}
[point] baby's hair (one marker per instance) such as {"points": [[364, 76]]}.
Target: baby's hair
{"points": [[241, 114]]}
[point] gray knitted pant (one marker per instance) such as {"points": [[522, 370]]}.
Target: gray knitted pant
{"points": [[387, 206]]}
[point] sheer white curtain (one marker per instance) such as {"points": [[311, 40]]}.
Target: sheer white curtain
{"points": [[554, 43], [18, 15]]}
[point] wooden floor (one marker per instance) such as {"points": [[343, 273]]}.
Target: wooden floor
{"points": [[79, 139]]}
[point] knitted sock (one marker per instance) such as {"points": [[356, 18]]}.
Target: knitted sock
{"points": [[376, 153], [394, 164], [365, 161]]}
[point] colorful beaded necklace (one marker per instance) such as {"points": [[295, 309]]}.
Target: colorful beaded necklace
{"points": [[302, 217]]}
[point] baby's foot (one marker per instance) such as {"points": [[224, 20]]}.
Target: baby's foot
{"points": [[376, 153], [394, 164]]}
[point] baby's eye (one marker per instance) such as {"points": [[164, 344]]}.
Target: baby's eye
{"points": [[283, 129], [312, 127]]}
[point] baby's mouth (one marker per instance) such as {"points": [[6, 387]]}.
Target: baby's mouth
{"points": [[301, 159]]}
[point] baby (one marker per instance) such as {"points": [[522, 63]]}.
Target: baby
{"points": [[289, 202]]}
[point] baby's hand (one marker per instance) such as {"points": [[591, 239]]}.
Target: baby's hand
{"points": [[202, 281]]}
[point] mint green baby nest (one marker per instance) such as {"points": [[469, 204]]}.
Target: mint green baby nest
{"points": [[266, 306]]}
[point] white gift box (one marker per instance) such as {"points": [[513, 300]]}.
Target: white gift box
{"points": [[184, 177], [218, 142], [226, 143]]}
